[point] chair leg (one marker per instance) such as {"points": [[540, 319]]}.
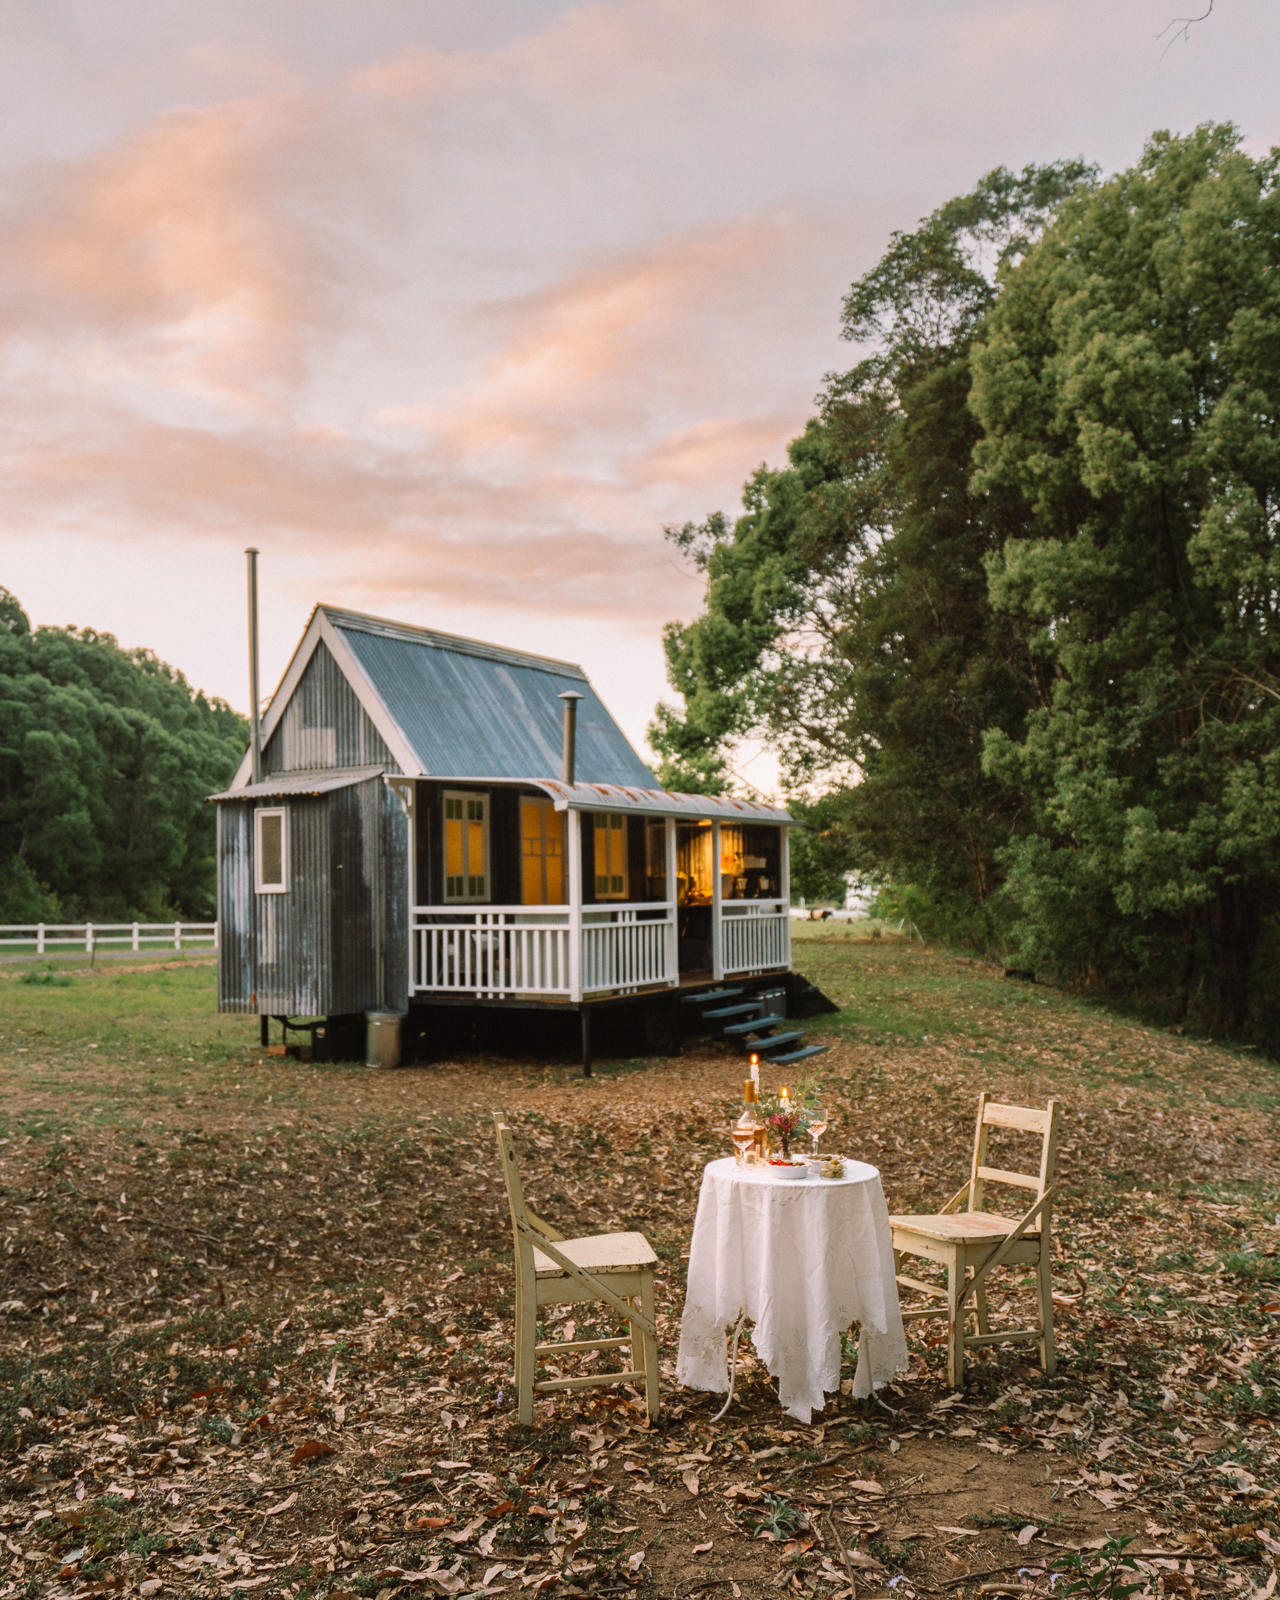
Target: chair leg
{"points": [[526, 1361], [650, 1348], [980, 1306], [1044, 1289], [955, 1322]]}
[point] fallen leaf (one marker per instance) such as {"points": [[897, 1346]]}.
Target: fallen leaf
{"points": [[1027, 1534], [1106, 1446], [866, 1486], [274, 1511], [861, 1558], [310, 1450], [960, 1533], [501, 1509], [690, 1481], [701, 1549], [634, 1561], [492, 1574], [433, 1522]]}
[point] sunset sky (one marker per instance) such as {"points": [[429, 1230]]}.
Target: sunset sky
{"points": [[448, 305]]}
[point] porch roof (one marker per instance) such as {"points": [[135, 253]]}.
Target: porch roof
{"points": [[660, 803], [317, 781]]}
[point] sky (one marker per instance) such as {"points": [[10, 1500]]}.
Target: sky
{"points": [[449, 307]]}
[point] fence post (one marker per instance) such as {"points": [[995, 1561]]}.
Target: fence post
{"points": [[39, 938], [217, 925], [177, 936], [88, 938], [135, 937]]}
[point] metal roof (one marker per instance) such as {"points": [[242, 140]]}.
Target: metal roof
{"points": [[661, 803], [294, 783], [465, 707]]}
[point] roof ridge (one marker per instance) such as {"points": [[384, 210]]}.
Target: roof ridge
{"points": [[411, 633]]}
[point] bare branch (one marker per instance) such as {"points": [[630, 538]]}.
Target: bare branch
{"points": [[1184, 31]]}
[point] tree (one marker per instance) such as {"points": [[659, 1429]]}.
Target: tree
{"points": [[847, 618], [106, 757], [1127, 381]]}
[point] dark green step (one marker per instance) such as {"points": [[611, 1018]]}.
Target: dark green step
{"points": [[799, 1055], [751, 1025], [707, 995], [772, 1042], [733, 1011]]}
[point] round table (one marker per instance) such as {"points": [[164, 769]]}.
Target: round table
{"points": [[804, 1258]]}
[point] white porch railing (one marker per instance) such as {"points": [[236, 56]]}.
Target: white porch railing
{"points": [[490, 951], [627, 946], [40, 937], [496, 951], [755, 934]]}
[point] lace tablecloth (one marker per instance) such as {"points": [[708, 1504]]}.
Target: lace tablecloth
{"points": [[804, 1258]]}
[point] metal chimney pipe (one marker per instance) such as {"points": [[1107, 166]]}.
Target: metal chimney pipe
{"points": [[255, 698], [570, 698]]}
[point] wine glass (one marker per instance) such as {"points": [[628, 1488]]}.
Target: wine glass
{"points": [[817, 1124], [744, 1137]]}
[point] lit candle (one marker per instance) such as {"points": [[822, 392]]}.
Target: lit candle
{"points": [[783, 1095]]}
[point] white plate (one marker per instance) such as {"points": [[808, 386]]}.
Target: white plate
{"points": [[798, 1169]]}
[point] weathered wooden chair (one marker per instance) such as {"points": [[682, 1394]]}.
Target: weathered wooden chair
{"points": [[971, 1243], [615, 1268]]}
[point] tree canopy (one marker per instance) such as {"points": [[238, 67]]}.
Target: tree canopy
{"points": [[106, 757], [1011, 601]]}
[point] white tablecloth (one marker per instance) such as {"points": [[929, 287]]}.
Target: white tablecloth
{"points": [[804, 1258]]}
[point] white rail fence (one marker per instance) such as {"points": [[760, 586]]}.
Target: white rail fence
{"points": [[41, 937], [756, 934]]}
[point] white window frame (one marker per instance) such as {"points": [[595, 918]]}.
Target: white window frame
{"points": [[283, 886], [467, 899]]}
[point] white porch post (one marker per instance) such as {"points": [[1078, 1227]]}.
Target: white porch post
{"points": [[784, 885], [673, 931], [575, 905], [717, 930]]}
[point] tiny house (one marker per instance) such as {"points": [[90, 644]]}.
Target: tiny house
{"points": [[444, 823]]}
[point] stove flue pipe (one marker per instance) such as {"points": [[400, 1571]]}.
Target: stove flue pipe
{"points": [[255, 719], [570, 698]]}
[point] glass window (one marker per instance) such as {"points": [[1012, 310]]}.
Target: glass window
{"points": [[611, 856], [466, 847], [271, 851], [542, 834]]}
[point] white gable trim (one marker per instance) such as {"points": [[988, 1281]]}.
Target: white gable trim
{"points": [[393, 735], [319, 627]]}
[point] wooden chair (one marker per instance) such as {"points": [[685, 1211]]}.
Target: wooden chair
{"points": [[972, 1242], [616, 1268]]}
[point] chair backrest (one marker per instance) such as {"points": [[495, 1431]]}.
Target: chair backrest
{"points": [[510, 1169], [994, 1114]]}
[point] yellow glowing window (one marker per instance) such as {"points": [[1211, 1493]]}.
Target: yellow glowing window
{"points": [[611, 857], [466, 847], [541, 853]]}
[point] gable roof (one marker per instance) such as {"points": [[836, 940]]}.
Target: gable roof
{"points": [[449, 707]]}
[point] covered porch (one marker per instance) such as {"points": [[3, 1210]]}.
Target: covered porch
{"points": [[620, 891]]}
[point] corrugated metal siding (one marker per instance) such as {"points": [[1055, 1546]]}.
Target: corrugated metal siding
{"points": [[235, 910], [293, 929], [395, 900], [352, 819], [467, 716], [324, 725]]}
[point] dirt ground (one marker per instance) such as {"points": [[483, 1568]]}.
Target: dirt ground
{"points": [[256, 1315]]}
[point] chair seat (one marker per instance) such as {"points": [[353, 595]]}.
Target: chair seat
{"points": [[978, 1226], [599, 1252]]}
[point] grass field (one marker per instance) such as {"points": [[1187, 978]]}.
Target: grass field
{"points": [[213, 1259]]}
